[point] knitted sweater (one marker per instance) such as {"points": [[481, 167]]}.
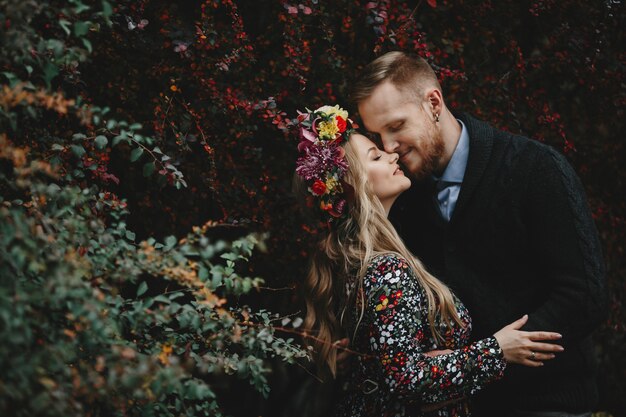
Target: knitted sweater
{"points": [[521, 240]]}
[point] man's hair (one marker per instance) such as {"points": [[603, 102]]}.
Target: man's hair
{"points": [[410, 73]]}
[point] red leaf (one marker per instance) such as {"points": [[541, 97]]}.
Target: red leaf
{"points": [[432, 3]]}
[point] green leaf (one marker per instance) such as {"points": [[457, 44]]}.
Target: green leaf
{"points": [[107, 10], [81, 28], [13, 80], [101, 142], [203, 273], [122, 136], [87, 45], [80, 7], [56, 46], [135, 154], [58, 147], [78, 150], [229, 256], [170, 241], [143, 287], [65, 25], [130, 235], [148, 169], [50, 71], [53, 189]]}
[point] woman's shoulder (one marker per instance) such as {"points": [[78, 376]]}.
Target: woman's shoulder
{"points": [[386, 259], [387, 268]]}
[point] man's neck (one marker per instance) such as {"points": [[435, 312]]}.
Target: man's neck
{"points": [[451, 132]]}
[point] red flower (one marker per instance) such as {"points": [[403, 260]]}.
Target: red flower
{"points": [[341, 124], [318, 187]]}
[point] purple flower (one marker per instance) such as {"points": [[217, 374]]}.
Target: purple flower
{"points": [[307, 134], [340, 206], [318, 160]]}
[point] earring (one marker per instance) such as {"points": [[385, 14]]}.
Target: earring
{"points": [[437, 118]]}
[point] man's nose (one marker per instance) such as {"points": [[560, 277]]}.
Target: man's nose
{"points": [[389, 144]]}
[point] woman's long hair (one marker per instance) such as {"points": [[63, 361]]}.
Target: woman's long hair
{"points": [[340, 262]]}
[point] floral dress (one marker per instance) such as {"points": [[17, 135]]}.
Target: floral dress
{"points": [[393, 377]]}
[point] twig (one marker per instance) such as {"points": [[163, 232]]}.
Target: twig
{"points": [[308, 336], [277, 289]]}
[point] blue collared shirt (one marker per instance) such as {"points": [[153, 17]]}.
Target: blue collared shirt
{"points": [[449, 184]]}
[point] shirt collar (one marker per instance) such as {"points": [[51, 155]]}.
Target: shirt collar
{"points": [[455, 171]]}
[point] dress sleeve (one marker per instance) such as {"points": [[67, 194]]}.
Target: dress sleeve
{"points": [[398, 338]]}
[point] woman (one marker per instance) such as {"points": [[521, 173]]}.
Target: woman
{"points": [[411, 332]]}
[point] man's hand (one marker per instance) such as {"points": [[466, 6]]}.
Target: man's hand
{"points": [[525, 348]]}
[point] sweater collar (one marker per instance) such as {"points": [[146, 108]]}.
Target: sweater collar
{"points": [[480, 146]]}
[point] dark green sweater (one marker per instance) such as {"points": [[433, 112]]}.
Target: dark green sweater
{"points": [[521, 240]]}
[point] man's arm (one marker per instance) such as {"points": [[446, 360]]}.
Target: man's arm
{"points": [[565, 243]]}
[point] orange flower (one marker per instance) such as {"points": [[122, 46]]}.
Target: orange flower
{"points": [[166, 351], [326, 206]]}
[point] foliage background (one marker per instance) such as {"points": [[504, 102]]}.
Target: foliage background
{"points": [[125, 123]]}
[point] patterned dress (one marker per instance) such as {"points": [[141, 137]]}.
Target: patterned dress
{"points": [[394, 377]]}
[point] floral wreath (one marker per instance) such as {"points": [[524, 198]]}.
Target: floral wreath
{"points": [[322, 162]]}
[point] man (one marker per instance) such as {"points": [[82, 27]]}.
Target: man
{"points": [[501, 219]]}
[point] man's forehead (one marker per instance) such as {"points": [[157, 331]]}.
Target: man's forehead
{"points": [[384, 103], [393, 94], [378, 120]]}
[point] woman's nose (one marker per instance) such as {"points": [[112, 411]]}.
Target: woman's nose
{"points": [[394, 158]]}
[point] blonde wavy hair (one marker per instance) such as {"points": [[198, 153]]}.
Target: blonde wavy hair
{"points": [[340, 261]]}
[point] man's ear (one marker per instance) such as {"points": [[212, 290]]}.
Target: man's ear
{"points": [[435, 100]]}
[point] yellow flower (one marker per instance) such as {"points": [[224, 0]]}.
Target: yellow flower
{"points": [[328, 130], [331, 184], [333, 110]]}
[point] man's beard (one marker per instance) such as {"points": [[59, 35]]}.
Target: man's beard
{"points": [[430, 156]]}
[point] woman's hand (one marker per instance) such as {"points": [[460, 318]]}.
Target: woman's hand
{"points": [[526, 348]]}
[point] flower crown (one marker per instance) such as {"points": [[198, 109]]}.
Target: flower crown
{"points": [[322, 162]]}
